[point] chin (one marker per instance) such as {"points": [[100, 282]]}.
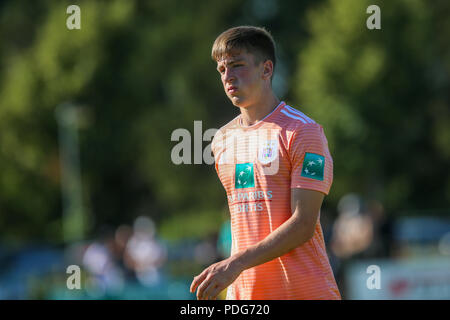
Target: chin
{"points": [[238, 102]]}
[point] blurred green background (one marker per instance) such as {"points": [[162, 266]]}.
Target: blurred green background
{"points": [[86, 118]]}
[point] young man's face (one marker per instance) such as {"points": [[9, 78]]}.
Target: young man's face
{"points": [[242, 79]]}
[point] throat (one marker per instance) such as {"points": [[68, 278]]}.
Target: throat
{"points": [[254, 114]]}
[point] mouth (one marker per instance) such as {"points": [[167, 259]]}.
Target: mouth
{"points": [[232, 90]]}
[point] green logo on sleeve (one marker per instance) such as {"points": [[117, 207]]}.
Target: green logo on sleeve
{"points": [[313, 166], [244, 176]]}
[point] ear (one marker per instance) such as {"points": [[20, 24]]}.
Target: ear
{"points": [[267, 69]]}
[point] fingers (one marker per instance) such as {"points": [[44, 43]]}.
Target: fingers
{"points": [[198, 280], [208, 284], [211, 294], [205, 291], [201, 288]]}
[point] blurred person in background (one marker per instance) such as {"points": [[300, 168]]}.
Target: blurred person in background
{"points": [[361, 231], [143, 253], [352, 230], [127, 254], [100, 260]]}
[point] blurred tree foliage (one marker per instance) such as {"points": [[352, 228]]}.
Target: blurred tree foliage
{"points": [[140, 69], [383, 97]]}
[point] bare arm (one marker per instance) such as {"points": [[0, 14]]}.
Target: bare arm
{"points": [[295, 231], [298, 229]]}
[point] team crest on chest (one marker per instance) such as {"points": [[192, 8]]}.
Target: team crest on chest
{"points": [[267, 151]]}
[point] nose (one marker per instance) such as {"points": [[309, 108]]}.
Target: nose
{"points": [[228, 76]]}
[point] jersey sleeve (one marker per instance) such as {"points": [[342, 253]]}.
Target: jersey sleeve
{"points": [[311, 162]]}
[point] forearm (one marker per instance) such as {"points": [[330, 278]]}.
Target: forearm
{"points": [[291, 234]]}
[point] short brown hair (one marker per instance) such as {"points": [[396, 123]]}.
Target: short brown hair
{"points": [[255, 40]]}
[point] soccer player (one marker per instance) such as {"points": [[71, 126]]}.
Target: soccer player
{"points": [[275, 166]]}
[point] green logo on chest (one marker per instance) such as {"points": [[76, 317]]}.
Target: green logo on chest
{"points": [[244, 176], [313, 166]]}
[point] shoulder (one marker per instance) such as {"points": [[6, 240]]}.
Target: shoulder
{"points": [[293, 117], [297, 124]]}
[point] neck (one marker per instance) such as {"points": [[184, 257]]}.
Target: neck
{"points": [[257, 111]]}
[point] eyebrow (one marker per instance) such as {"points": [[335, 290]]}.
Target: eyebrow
{"points": [[231, 62]]}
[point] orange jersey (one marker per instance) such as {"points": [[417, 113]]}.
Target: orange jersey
{"points": [[258, 165]]}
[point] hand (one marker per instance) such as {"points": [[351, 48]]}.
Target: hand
{"points": [[215, 278]]}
